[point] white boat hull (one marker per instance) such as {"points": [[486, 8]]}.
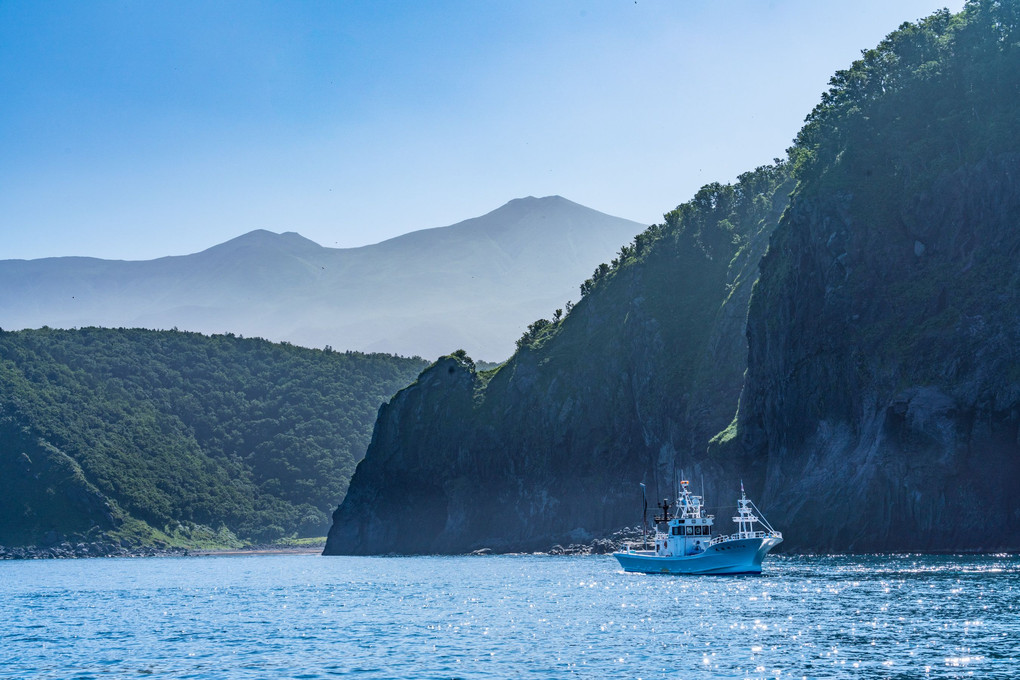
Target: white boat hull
{"points": [[739, 556]]}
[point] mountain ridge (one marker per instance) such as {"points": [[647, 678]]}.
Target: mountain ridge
{"points": [[473, 284]]}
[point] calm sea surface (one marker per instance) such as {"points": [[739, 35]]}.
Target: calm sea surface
{"points": [[507, 617]]}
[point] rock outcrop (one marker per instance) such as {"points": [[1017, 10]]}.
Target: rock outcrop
{"points": [[883, 388], [550, 447]]}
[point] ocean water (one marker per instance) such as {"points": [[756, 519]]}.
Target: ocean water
{"points": [[507, 617]]}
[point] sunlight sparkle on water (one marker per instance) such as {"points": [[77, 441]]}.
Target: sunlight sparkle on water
{"points": [[508, 616]]}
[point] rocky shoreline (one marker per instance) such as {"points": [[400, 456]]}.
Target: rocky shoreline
{"points": [[599, 546], [67, 550], [100, 548], [105, 546]]}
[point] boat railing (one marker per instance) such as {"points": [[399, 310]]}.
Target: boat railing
{"points": [[745, 534], [630, 546]]}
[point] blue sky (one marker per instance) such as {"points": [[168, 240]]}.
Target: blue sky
{"points": [[132, 130]]}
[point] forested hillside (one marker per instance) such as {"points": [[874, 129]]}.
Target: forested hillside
{"points": [[180, 437], [879, 408]]}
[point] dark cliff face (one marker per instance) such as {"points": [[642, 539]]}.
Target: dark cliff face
{"points": [[550, 450], [628, 387], [399, 503], [883, 392], [882, 398]]}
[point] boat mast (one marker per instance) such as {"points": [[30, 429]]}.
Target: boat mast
{"points": [[745, 518], [644, 517]]}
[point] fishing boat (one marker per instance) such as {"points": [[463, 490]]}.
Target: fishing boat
{"points": [[688, 543]]}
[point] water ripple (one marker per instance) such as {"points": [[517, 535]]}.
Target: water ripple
{"points": [[903, 616]]}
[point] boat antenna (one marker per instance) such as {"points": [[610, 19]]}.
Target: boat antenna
{"points": [[657, 485], [644, 517]]}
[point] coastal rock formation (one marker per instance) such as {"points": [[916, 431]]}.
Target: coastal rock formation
{"points": [[880, 410], [883, 386], [549, 448], [882, 399]]}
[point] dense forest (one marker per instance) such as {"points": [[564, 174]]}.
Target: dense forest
{"points": [[870, 360], [180, 437]]}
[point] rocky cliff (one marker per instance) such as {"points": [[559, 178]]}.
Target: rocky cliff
{"points": [[627, 387], [883, 395], [881, 402], [882, 399]]}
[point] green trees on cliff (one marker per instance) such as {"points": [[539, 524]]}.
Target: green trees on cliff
{"points": [[718, 222], [951, 72]]}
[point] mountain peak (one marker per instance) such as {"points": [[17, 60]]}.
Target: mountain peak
{"points": [[546, 206], [533, 202], [475, 284], [533, 199], [263, 239]]}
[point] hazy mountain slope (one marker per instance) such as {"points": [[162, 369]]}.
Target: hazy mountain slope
{"points": [[881, 399], [474, 284], [119, 430]]}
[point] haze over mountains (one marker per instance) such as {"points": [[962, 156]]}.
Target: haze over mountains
{"points": [[474, 285]]}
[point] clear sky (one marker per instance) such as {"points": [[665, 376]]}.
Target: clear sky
{"points": [[136, 129]]}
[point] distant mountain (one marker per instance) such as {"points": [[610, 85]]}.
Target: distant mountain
{"points": [[473, 285]]}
